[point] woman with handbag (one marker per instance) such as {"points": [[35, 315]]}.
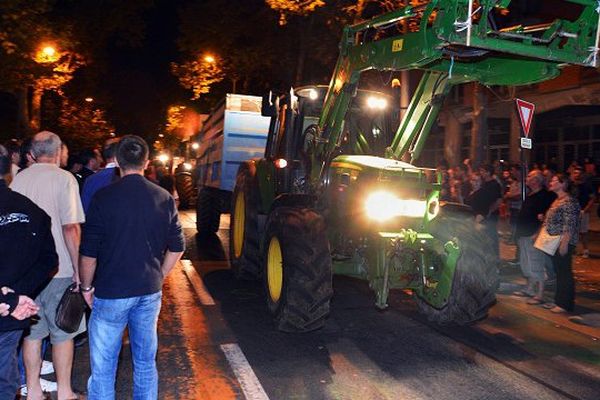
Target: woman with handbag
{"points": [[562, 219]]}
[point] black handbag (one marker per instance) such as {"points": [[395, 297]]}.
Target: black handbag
{"points": [[70, 310]]}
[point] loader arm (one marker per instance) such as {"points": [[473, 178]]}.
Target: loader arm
{"points": [[455, 43]]}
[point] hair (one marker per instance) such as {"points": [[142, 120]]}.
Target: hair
{"points": [[4, 162], [110, 149], [25, 149], [132, 153], [87, 155], [12, 147], [46, 144], [487, 167], [538, 176], [564, 178]]}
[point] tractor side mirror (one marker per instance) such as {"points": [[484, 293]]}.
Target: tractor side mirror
{"points": [[268, 107]]}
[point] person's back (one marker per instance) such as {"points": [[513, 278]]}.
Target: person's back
{"points": [[131, 241], [136, 217]]}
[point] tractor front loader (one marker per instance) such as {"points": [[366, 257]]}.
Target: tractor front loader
{"points": [[332, 194]]}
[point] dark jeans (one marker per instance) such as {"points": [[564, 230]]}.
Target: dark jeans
{"points": [[9, 375], [565, 283]]}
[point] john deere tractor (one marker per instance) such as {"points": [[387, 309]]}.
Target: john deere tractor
{"points": [[332, 194]]}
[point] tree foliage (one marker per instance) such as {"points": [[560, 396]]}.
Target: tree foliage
{"points": [[82, 125], [198, 75], [297, 7]]}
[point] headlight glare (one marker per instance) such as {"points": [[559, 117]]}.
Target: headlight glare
{"points": [[382, 206]]}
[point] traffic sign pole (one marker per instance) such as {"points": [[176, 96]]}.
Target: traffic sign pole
{"points": [[525, 110]]}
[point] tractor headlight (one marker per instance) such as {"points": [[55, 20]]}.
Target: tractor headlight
{"points": [[382, 206]]}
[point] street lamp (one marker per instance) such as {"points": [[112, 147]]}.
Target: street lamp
{"points": [[47, 53], [209, 58], [89, 99]]}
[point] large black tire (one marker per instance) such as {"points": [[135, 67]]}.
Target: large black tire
{"points": [[185, 189], [244, 240], [476, 278], [208, 210], [296, 247]]}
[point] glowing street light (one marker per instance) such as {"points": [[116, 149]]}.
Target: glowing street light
{"points": [[47, 54], [209, 58], [89, 99], [195, 146]]}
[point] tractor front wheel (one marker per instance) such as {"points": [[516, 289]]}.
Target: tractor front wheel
{"points": [[297, 273], [476, 276]]}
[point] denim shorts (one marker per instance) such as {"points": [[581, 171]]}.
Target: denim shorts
{"points": [[43, 325]]}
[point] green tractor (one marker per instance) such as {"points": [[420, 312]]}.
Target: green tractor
{"points": [[332, 195]]}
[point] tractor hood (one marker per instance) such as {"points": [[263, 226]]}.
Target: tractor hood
{"points": [[383, 167]]}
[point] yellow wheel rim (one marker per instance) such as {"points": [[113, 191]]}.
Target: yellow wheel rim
{"points": [[239, 224], [274, 270]]}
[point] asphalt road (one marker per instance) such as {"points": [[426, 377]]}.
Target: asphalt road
{"points": [[519, 352]]}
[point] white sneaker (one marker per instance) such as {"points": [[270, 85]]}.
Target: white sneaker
{"points": [[47, 386], [47, 368]]}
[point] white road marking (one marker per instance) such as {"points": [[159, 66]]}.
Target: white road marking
{"points": [[249, 383], [189, 270]]}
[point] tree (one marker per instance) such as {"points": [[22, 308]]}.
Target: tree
{"points": [[83, 125], [24, 65], [297, 7], [198, 75]]}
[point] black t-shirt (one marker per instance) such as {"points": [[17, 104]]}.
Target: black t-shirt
{"points": [[482, 199], [583, 192], [129, 226], [537, 203]]}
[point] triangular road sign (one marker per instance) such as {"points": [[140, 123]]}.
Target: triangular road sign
{"points": [[526, 110]]}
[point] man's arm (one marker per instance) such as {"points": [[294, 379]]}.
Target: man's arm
{"points": [[87, 270], [72, 235], [169, 262]]}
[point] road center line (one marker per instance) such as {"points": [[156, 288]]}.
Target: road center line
{"points": [[189, 270], [249, 383]]}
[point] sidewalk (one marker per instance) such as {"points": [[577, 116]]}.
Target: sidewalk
{"points": [[586, 317]]}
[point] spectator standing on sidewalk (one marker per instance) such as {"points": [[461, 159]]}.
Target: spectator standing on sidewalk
{"points": [[528, 223], [27, 258], [104, 177], [584, 192], [562, 219], [131, 241], [485, 203], [54, 191]]}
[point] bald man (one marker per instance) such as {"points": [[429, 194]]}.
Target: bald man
{"points": [[56, 192]]}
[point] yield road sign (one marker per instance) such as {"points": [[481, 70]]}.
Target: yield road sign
{"points": [[526, 110]]}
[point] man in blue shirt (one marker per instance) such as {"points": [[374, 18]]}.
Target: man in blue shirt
{"points": [[102, 178], [131, 240]]}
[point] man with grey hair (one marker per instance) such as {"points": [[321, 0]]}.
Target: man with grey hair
{"points": [[529, 220], [56, 192]]}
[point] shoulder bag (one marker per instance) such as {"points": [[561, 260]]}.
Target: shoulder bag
{"points": [[70, 310], [546, 242]]}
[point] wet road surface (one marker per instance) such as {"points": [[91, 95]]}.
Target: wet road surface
{"points": [[519, 352]]}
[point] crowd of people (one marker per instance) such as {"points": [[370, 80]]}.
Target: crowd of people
{"points": [[559, 203], [81, 220]]}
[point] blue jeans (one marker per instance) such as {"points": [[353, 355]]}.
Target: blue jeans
{"points": [[8, 363], [107, 323]]}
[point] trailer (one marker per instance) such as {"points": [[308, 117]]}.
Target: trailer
{"points": [[234, 132]]}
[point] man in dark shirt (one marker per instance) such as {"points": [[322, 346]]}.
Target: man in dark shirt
{"points": [[533, 261], [27, 257], [132, 238], [485, 203]]}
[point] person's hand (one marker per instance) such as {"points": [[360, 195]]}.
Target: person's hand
{"points": [[540, 217], [563, 248], [25, 309], [89, 297], [6, 290], [4, 309]]}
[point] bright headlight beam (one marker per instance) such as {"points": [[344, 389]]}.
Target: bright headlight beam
{"points": [[382, 206]]}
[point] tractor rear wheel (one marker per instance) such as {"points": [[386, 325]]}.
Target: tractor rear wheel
{"points": [[185, 189], [476, 277], [297, 275], [243, 232], [208, 210]]}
